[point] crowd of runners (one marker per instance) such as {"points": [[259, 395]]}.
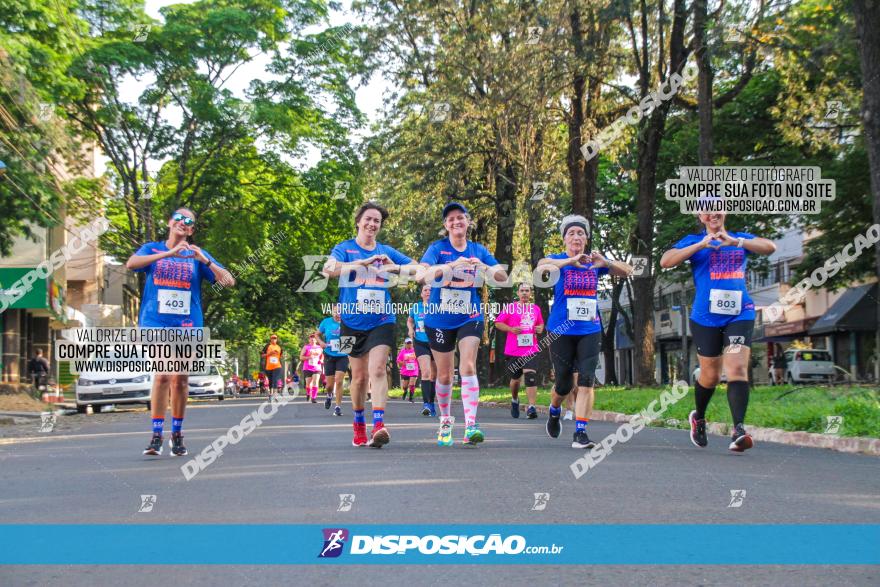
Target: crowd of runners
{"points": [[448, 322]]}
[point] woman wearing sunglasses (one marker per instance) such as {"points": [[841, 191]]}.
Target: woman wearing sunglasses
{"points": [[172, 298]]}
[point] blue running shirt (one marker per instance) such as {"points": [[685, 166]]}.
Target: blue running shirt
{"points": [[461, 294], [575, 309], [368, 287], [721, 295], [172, 296]]}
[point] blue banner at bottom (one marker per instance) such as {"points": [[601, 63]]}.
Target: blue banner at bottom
{"points": [[630, 544]]}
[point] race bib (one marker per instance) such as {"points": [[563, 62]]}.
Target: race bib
{"points": [[581, 308], [525, 339], [334, 345], [725, 301], [313, 363], [410, 366], [420, 325], [273, 360], [371, 301], [455, 301], [172, 301]]}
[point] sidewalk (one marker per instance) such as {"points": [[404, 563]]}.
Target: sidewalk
{"points": [[851, 444]]}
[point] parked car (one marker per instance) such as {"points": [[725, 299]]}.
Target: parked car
{"points": [[120, 387], [210, 385], [808, 365]]}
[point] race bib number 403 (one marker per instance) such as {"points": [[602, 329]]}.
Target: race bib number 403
{"points": [[172, 301]]}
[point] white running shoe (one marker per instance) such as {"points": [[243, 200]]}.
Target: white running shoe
{"points": [[568, 415]]}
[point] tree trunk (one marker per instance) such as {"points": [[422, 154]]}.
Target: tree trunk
{"points": [[642, 240], [642, 245], [537, 238], [583, 174], [868, 32], [704, 82], [609, 336], [505, 212]]}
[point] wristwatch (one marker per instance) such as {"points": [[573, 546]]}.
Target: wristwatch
{"points": [[210, 262]]}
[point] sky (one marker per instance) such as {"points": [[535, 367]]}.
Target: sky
{"points": [[369, 96]]}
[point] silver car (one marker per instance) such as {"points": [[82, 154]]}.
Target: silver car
{"points": [[209, 386], [118, 387]]}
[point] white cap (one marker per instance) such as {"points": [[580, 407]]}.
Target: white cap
{"points": [[574, 220]]}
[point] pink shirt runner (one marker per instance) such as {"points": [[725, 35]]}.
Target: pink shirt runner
{"points": [[526, 316], [409, 364], [315, 354]]}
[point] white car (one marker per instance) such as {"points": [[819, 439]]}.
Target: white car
{"points": [[120, 387], [807, 365], [210, 385]]}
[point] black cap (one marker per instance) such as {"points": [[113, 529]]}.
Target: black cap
{"points": [[453, 206]]}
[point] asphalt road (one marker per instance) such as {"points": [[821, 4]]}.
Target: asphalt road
{"points": [[293, 468]]}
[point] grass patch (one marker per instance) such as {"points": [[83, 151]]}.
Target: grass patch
{"points": [[805, 408]]}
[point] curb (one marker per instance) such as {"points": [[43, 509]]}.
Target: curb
{"points": [[848, 444], [22, 414]]}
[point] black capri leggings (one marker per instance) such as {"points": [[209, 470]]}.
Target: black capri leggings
{"points": [[575, 353]]}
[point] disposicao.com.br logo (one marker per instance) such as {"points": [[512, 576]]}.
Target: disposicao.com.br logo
{"points": [[431, 544]]}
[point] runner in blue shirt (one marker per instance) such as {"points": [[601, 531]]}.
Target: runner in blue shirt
{"points": [[335, 362], [415, 325], [722, 315], [172, 298], [456, 267], [364, 266], [576, 324]]}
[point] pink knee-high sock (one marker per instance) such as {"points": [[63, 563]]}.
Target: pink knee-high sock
{"points": [[470, 397], [444, 399]]}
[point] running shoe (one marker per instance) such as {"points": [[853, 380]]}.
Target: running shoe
{"points": [[569, 415], [426, 411], [327, 401], [314, 400], [741, 440], [433, 410], [554, 426], [337, 411], [381, 436], [444, 435], [698, 430], [411, 397], [581, 440], [514, 409], [360, 435], [473, 434], [177, 448], [155, 447], [532, 413]]}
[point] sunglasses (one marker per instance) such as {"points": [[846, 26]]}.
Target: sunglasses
{"points": [[187, 221]]}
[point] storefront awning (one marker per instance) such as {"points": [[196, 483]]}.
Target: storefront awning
{"points": [[786, 331], [856, 310]]}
